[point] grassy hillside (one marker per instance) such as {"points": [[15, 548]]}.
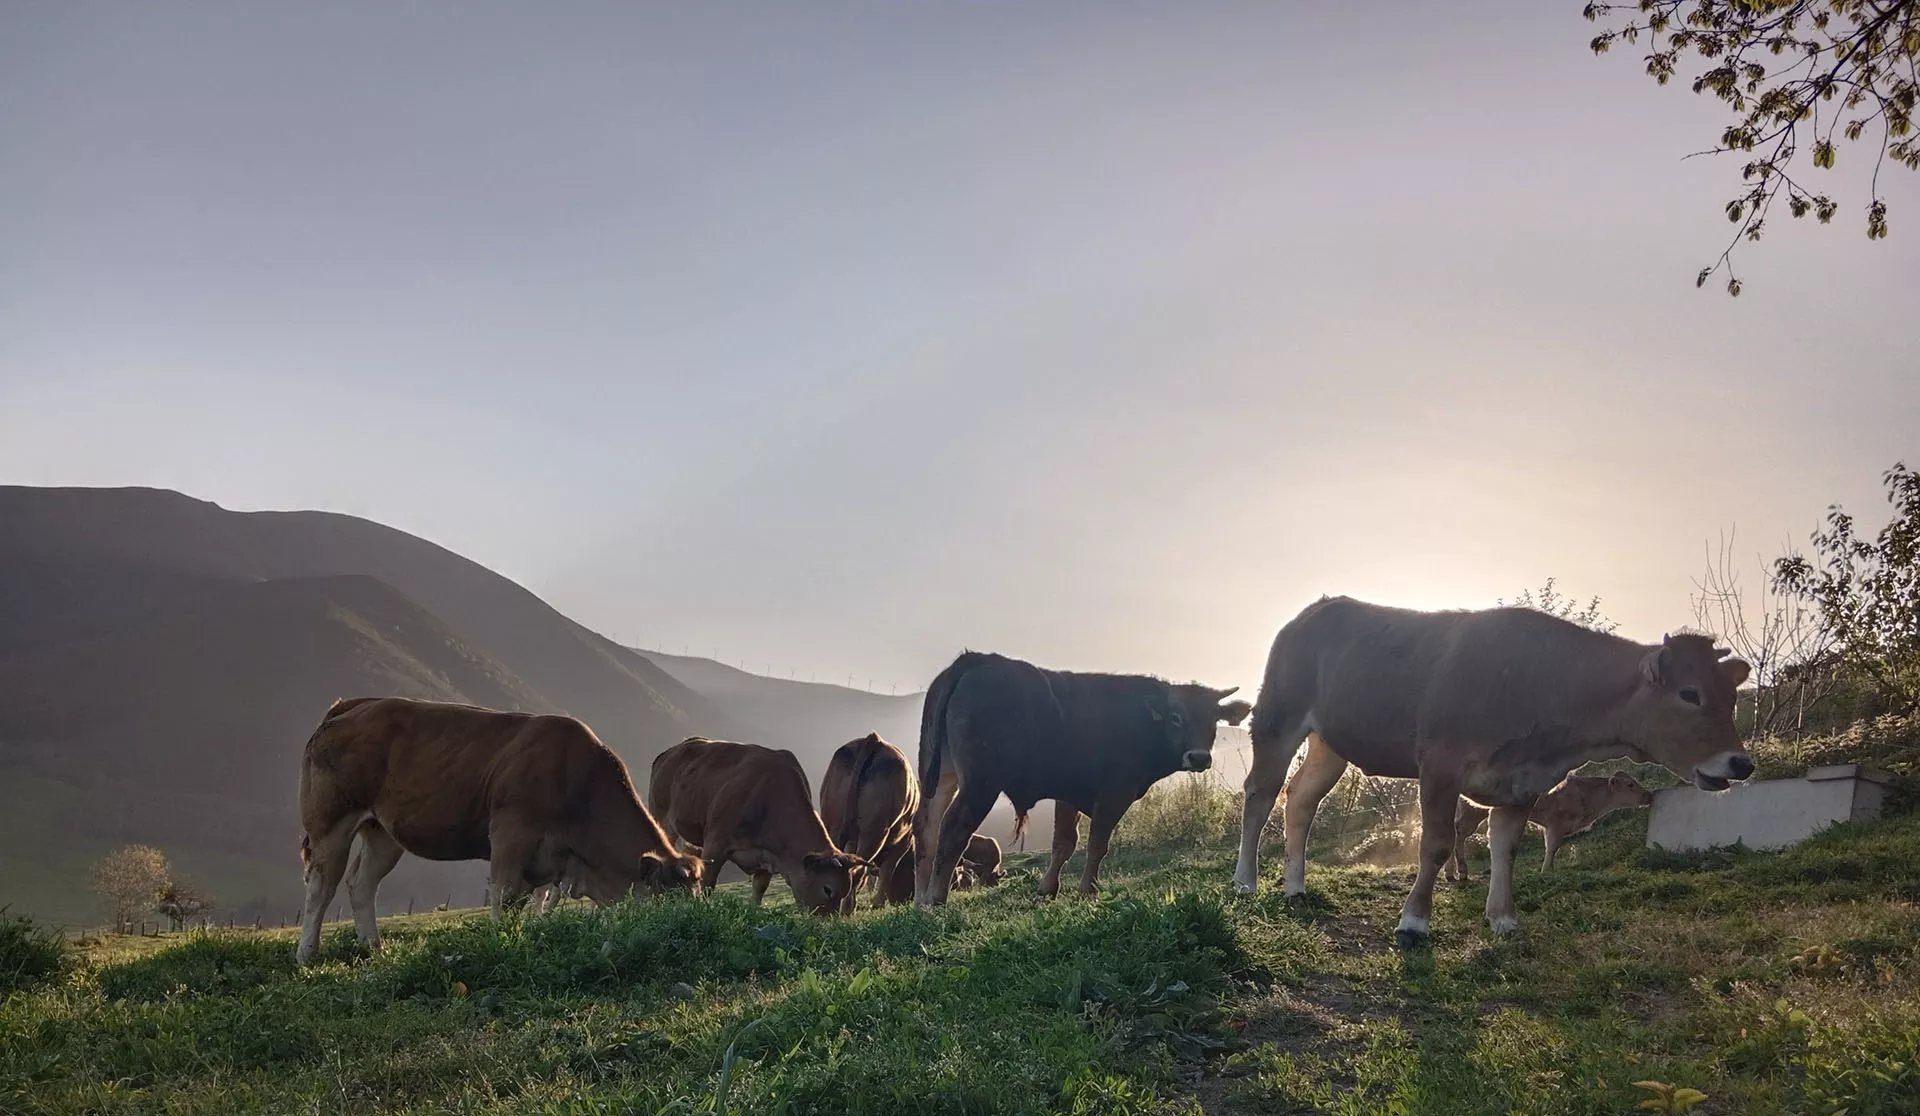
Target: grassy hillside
{"points": [[162, 661], [1773, 983]]}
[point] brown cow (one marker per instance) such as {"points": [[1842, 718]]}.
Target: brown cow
{"points": [[1090, 742], [1568, 810], [538, 796], [1498, 705], [752, 806], [867, 800], [980, 864]]}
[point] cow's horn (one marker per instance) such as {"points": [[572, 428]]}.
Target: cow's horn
{"points": [[1229, 692]]}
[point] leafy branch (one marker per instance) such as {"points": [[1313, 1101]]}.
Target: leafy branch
{"points": [[1847, 69]]}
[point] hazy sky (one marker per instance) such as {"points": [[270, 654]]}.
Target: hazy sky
{"points": [[838, 337]]}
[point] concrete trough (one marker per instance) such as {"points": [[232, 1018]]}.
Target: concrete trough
{"points": [[1769, 814]]}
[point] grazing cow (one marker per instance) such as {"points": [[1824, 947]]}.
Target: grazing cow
{"points": [[1093, 743], [538, 796], [1568, 810], [1499, 705], [752, 806], [980, 864], [867, 799]]}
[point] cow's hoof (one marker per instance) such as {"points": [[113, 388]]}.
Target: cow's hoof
{"points": [[1503, 925], [1245, 887], [1408, 939]]}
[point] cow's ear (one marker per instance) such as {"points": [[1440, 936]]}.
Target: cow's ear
{"points": [[1154, 711], [1735, 670], [1233, 712], [1653, 667]]}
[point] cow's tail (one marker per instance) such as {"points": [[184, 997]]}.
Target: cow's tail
{"points": [[1020, 831], [933, 732], [850, 819]]}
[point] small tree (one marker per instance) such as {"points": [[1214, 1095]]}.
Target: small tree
{"points": [[1778, 633], [131, 879], [1550, 600], [180, 903], [1868, 592]]}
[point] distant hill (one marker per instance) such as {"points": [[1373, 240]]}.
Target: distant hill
{"points": [[811, 718], [162, 661]]}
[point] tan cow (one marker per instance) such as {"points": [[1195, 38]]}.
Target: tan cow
{"points": [[538, 796], [980, 864], [867, 800], [1498, 705], [1568, 810], [752, 806]]}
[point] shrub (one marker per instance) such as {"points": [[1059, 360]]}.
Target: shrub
{"points": [[30, 954]]}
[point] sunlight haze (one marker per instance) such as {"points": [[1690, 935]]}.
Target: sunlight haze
{"points": [[835, 338]]}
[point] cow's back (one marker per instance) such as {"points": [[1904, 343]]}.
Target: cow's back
{"points": [[868, 793], [1372, 679], [700, 783], [426, 770]]}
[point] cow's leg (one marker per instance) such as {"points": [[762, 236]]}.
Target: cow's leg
{"points": [[1099, 832], [376, 855], [1553, 846], [1066, 836], [1318, 773], [1466, 820], [1438, 798], [926, 839], [1272, 755], [710, 867], [512, 852], [326, 864], [1503, 834], [971, 804]]}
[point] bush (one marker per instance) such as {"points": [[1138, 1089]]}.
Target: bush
{"points": [[30, 955], [1183, 811]]}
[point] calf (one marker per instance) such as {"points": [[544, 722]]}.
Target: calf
{"points": [[980, 864], [752, 806], [1498, 705], [867, 800], [1093, 743], [539, 797], [1566, 811]]}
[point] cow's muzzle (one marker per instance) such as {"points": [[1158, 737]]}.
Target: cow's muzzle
{"points": [[1196, 761], [1725, 769]]}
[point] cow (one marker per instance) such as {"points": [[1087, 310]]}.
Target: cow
{"points": [[752, 806], [1498, 705], [1568, 810], [980, 864], [867, 799], [538, 796], [992, 725]]}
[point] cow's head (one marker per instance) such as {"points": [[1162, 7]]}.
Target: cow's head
{"points": [[670, 873], [1681, 712], [825, 880], [1624, 792], [1188, 718]]}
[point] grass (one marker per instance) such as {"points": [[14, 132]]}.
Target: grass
{"points": [[1772, 982]]}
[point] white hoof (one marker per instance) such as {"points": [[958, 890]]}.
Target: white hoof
{"points": [[1409, 924], [1246, 887], [1503, 924]]}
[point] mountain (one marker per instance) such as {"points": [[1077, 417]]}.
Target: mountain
{"points": [[811, 718], [162, 661]]}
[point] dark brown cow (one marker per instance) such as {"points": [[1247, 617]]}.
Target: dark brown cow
{"points": [[1497, 705], [1568, 810], [1093, 743], [752, 806], [980, 864], [538, 796], [867, 799]]}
